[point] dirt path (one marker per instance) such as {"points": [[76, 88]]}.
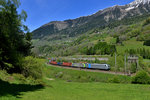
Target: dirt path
{"points": [[89, 70]]}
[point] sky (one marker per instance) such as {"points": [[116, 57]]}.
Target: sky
{"points": [[41, 12]]}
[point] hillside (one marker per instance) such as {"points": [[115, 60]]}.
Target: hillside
{"points": [[128, 39], [128, 35], [68, 37], [59, 44]]}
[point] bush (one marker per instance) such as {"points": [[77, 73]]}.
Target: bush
{"points": [[147, 43], [19, 78], [115, 79], [59, 74], [146, 22], [5, 76], [32, 67], [141, 77]]}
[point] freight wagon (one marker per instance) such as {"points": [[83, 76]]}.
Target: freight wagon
{"points": [[53, 62], [66, 64]]}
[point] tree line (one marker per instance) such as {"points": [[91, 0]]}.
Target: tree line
{"points": [[101, 48], [145, 53]]}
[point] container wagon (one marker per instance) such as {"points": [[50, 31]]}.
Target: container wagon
{"points": [[80, 65], [59, 63], [53, 62], [67, 64]]}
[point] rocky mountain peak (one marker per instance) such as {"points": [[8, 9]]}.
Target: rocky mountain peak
{"points": [[136, 3]]}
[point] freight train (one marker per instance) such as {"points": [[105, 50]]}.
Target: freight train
{"points": [[82, 65]]}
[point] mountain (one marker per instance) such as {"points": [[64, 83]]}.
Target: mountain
{"points": [[136, 3], [73, 27]]}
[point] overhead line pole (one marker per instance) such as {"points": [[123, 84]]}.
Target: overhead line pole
{"points": [[115, 63], [125, 65]]}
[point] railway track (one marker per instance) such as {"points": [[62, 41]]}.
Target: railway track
{"points": [[90, 70]]}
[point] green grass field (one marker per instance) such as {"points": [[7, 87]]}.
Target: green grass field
{"points": [[61, 89], [84, 76], [131, 44]]}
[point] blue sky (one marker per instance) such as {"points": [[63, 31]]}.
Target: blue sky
{"points": [[43, 11]]}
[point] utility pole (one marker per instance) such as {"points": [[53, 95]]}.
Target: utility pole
{"points": [[125, 65], [115, 63], [137, 63]]}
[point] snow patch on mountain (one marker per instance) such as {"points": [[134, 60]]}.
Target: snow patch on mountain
{"points": [[136, 4], [127, 9]]}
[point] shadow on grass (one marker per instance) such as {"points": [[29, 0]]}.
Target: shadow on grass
{"points": [[15, 89]]}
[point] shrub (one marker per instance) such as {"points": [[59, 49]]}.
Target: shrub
{"points": [[19, 78], [32, 81], [59, 75], [32, 67], [141, 77], [115, 79], [147, 43], [5, 76], [146, 22]]}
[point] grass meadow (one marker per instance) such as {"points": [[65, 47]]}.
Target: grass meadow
{"points": [[61, 90], [67, 87], [131, 44]]}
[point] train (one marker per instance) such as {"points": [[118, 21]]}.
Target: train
{"points": [[82, 65]]}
